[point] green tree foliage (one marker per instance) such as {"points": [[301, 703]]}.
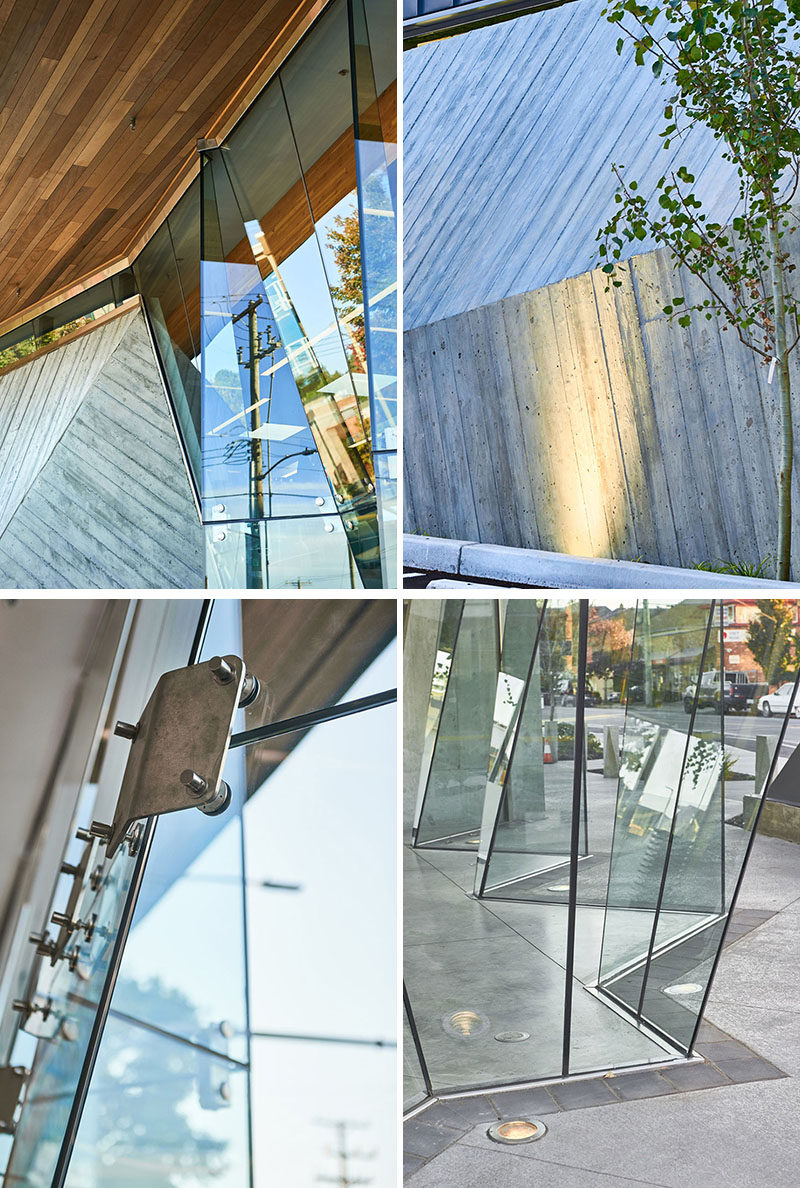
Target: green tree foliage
{"points": [[733, 66], [772, 640]]}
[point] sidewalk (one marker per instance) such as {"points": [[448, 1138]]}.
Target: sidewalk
{"points": [[729, 1134]]}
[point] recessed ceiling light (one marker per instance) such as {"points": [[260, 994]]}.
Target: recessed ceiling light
{"points": [[518, 1131]]}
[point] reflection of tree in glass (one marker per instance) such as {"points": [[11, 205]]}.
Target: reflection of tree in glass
{"points": [[138, 1103], [638, 739], [554, 647], [771, 639], [703, 756], [345, 240], [609, 650]]}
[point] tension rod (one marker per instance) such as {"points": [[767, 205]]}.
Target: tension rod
{"points": [[303, 721]]}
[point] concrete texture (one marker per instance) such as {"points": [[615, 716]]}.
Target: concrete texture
{"points": [[728, 1122], [539, 568], [509, 136], [107, 503]]}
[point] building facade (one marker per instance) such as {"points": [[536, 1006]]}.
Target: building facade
{"points": [[219, 405]]}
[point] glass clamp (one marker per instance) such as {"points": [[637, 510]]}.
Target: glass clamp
{"points": [[179, 746]]}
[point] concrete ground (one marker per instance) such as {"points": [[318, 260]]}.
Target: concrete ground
{"points": [[739, 1130]]}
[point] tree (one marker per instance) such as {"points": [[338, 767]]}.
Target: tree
{"points": [[345, 239], [609, 644], [772, 640], [733, 66]]}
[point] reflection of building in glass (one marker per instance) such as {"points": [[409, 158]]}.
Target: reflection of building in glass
{"points": [[582, 797], [192, 1004], [251, 336]]}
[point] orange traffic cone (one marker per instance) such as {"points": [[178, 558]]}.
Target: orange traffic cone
{"points": [[548, 753]]}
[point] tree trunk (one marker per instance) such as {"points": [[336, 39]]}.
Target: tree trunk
{"points": [[785, 401]]}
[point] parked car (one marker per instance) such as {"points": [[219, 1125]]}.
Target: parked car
{"points": [[778, 702], [745, 698], [708, 695]]}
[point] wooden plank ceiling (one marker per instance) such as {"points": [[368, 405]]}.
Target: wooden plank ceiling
{"points": [[78, 185]]}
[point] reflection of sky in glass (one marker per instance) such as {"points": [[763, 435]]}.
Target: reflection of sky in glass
{"points": [[323, 959]]}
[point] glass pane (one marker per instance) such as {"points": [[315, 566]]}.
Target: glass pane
{"points": [[414, 1089], [376, 153], [320, 1106], [77, 311], [528, 833], [162, 1113], [670, 796], [452, 807], [296, 553], [67, 994], [301, 885], [168, 275], [282, 640]]}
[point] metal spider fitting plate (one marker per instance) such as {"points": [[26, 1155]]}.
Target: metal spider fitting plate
{"points": [[184, 730]]}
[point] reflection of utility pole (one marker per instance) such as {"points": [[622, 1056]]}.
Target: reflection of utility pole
{"points": [[256, 352], [344, 1156], [647, 654]]}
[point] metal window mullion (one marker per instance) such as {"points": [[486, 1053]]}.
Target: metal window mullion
{"points": [[577, 785], [668, 854], [412, 1026]]}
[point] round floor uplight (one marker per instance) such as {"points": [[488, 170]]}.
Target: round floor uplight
{"points": [[683, 989], [465, 1024], [518, 1131]]}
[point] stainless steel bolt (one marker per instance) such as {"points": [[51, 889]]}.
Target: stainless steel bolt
{"points": [[195, 783], [62, 920], [126, 730], [101, 831], [220, 670], [84, 835], [68, 869]]}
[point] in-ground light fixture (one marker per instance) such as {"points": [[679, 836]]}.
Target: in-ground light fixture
{"points": [[517, 1131]]}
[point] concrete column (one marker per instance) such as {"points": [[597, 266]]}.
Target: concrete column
{"points": [[611, 753], [765, 750]]}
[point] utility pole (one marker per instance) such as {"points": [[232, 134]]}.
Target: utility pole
{"points": [[344, 1155], [256, 352]]}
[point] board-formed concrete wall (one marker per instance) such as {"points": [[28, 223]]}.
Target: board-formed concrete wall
{"points": [[93, 489], [580, 421]]}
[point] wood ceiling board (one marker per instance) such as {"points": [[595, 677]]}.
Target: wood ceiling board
{"points": [[73, 75]]}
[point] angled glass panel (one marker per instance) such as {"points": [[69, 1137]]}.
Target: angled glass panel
{"points": [[669, 797], [161, 1112], [709, 846], [255, 433], [414, 1088], [451, 807], [529, 809], [67, 995], [375, 96], [168, 275], [450, 612], [326, 1112]]}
